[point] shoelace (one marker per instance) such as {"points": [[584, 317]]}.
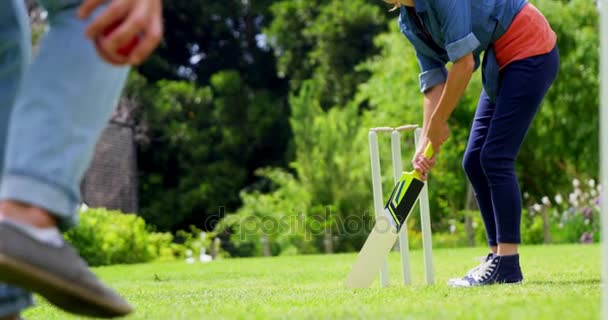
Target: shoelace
{"points": [[482, 260], [484, 271]]}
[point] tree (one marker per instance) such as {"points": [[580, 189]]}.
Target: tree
{"points": [[205, 142], [325, 41], [330, 163], [215, 110]]}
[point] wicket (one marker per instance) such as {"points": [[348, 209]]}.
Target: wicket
{"points": [[425, 219]]}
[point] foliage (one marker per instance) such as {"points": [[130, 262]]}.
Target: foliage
{"points": [[330, 153], [329, 189], [214, 111], [575, 218], [195, 243], [205, 37], [532, 229], [106, 237], [294, 85], [325, 41], [110, 237], [278, 216], [205, 143]]}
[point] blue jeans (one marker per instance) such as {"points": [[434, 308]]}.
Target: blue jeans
{"points": [[496, 136], [52, 111]]}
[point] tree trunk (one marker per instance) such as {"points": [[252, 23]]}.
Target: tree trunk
{"points": [[266, 246], [215, 248], [468, 220], [328, 242], [546, 231]]}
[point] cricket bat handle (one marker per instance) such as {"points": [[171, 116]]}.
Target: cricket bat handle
{"points": [[429, 152]]}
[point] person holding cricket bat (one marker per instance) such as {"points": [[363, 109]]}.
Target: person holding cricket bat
{"points": [[520, 63], [53, 109]]}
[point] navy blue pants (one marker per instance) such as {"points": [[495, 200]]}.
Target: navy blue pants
{"points": [[496, 136]]}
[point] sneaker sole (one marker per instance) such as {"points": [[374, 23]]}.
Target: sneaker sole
{"points": [[60, 292], [455, 284]]}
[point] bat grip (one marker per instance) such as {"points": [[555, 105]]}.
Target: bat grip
{"points": [[429, 152]]}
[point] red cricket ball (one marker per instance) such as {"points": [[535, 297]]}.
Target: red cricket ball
{"points": [[126, 49]]}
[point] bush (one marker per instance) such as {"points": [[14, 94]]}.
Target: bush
{"points": [[573, 218], [532, 230], [162, 247], [106, 237]]}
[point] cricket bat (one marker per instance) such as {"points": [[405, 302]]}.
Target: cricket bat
{"points": [[386, 229]]}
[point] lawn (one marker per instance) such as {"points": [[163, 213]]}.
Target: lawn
{"points": [[562, 282]]}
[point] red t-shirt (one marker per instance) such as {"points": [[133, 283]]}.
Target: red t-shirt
{"points": [[528, 35]]}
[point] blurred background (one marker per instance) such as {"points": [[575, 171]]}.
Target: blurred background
{"points": [[245, 134]]}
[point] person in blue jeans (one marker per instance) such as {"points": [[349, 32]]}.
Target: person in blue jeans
{"points": [[53, 108], [520, 63]]}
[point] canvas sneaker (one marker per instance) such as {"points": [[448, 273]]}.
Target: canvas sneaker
{"points": [[482, 261], [498, 269]]}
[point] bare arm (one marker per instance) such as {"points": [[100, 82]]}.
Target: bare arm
{"points": [[457, 82], [439, 103], [431, 100], [437, 130], [430, 103]]}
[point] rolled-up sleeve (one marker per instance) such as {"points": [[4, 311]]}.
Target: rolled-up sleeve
{"points": [[456, 25], [433, 72]]}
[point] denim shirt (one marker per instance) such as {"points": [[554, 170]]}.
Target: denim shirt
{"points": [[459, 27]]}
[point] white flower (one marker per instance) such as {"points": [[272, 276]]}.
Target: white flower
{"points": [[587, 221], [526, 195], [576, 183], [474, 225], [572, 197], [561, 225], [591, 183], [537, 207], [559, 199], [452, 228], [578, 191], [546, 201], [593, 193]]}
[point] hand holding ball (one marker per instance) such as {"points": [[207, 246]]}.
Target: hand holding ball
{"points": [[121, 54]]}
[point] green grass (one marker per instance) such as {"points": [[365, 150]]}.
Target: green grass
{"points": [[562, 282]]}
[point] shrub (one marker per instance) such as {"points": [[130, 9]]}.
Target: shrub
{"points": [[457, 236], [162, 247], [106, 237], [532, 230], [572, 218]]}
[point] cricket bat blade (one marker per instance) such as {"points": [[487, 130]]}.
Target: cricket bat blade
{"points": [[372, 255]]}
